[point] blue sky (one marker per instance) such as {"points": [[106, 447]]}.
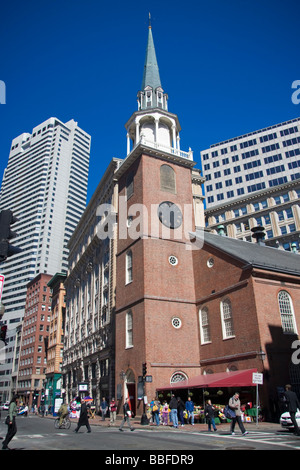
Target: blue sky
{"points": [[227, 66]]}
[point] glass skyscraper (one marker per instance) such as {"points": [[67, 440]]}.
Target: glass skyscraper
{"points": [[45, 185]]}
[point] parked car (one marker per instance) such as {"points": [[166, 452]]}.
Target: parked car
{"points": [[4, 406], [286, 422]]}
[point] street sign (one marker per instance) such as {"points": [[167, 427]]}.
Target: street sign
{"points": [[257, 378], [1, 284]]}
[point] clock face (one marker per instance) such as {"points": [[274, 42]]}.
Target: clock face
{"points": [[169, 214]]}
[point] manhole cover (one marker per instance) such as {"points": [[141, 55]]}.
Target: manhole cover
{"points": [[240, 448]]}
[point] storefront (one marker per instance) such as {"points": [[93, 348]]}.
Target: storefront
{"points": [[218, 387]]}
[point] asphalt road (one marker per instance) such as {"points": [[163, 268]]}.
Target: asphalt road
{"points": [[39, 434]]}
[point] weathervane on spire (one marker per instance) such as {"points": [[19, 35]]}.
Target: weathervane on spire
{"points": [[149, 20]]}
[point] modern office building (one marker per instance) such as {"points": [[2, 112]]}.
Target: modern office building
{"points": [[45, 185], [252, 162], [276, 209]]}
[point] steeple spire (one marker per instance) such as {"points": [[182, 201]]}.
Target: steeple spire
{"points": [[151, 94], [151, 73], [152, 124]]}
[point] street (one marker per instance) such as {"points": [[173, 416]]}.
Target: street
{"points": [[37, 433]]}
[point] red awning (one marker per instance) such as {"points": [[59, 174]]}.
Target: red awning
{"points": [[237, 378]]}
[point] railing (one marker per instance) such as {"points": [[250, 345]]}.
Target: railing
{"points": [[164, 148]]}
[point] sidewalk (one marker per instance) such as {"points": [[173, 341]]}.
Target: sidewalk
{"points": [[136, 423]]}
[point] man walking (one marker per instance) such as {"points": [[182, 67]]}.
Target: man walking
{"points": [[127, 415], [235, 404], [293, 405]]}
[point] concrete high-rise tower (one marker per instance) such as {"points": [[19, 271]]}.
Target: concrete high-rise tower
{"points": [[45, 185]]}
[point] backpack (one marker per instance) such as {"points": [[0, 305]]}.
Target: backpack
{"points": [[229, 413]]}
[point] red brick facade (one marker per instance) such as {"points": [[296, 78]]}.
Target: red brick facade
{"points": [[161, 292], [32, 362], [253, 294]]}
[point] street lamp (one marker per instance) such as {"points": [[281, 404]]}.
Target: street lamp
{"points": [[262, 355]]}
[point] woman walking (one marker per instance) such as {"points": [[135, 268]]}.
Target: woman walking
{"points": [[83, 418], [11, 418]]}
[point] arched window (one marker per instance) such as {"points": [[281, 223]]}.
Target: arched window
{"points": [[227, 320], [129, 330], [286, 313], [167, 179], [204, 325], [178, 377], [128, 274]]}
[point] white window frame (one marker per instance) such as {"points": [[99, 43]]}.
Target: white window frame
{"points": [[128, 274], [129, 330], [204, 325], [227, 319], [287, 314]]}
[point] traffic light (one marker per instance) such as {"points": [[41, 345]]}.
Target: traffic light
{"points": [[3, 333], [144, 369], [6, 249]]}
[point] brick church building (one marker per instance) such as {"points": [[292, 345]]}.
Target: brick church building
{"points": [[189, 302]]}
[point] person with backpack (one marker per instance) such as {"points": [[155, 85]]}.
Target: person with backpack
{"points": [[235, 404]]}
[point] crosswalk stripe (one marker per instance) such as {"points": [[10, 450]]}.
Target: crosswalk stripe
{"points": [[267, 437]]}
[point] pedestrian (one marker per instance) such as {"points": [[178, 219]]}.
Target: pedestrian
{"points": [[180, 409], [151, 407], [189, 406], [113, 411], [11, 422], [83, 417], [209, 412], [127, 415], [104, 408], [155, 411], [235, 404], [293, 404], [165, 413], [173, 405]]}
